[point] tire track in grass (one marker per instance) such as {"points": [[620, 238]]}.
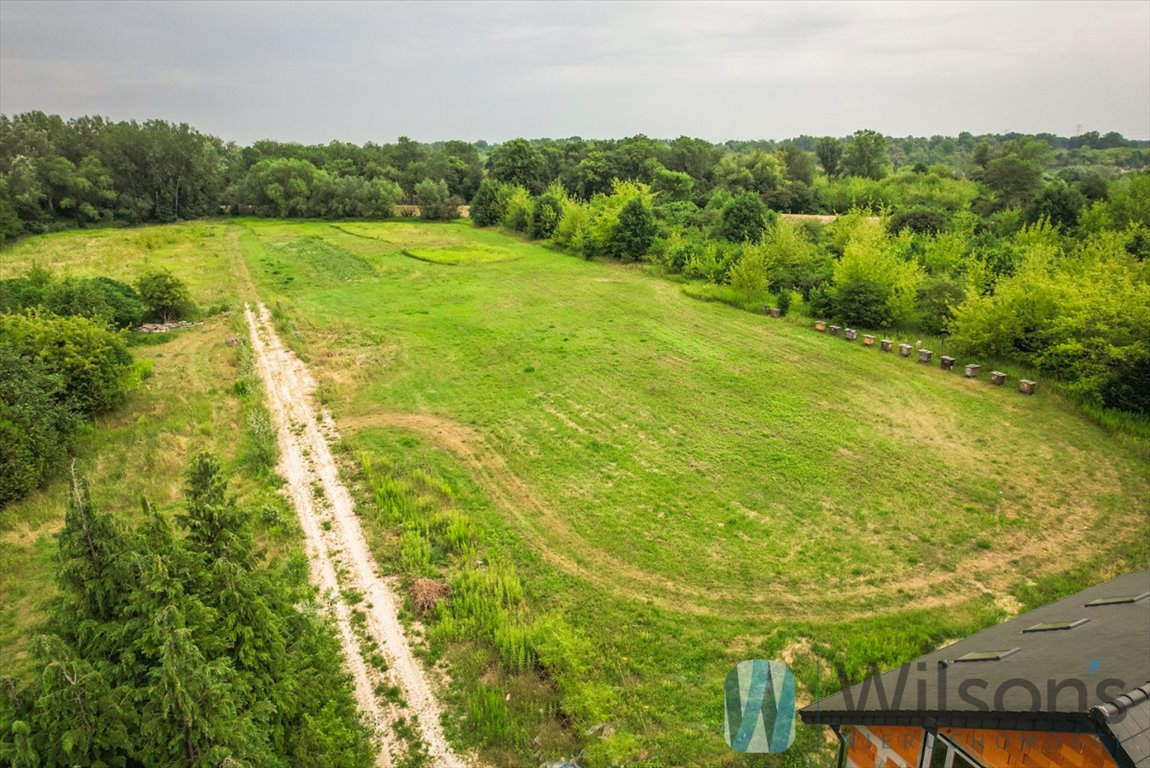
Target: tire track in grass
{"points": [[339, 556], [555, 540], [546, 531]]}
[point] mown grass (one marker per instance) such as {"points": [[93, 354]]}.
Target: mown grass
{"points": [[721, 485], [690, 485], [478, 254]]}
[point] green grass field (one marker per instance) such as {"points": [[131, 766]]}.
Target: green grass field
{"points": [[683, 484]]}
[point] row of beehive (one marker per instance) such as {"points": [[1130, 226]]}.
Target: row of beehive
{"points": [[972, 371]]}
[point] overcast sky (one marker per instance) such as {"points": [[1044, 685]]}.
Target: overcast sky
{"points": [[312, 72]]}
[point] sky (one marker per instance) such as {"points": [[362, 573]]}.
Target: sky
{"points": [[319, 71]]}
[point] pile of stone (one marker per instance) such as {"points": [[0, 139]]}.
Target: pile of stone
{"points": [[164, 327]]}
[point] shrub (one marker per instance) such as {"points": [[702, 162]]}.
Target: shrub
{"points": [[937, 297], [874, 286], [489, 204], [111, 301], [863, 302], [546, 212], [17, 293], [792, 261], [921, 221], [784, 301], [743, 219], [1079, 316], [518, 209], [635, 231], [821, 301], [35, 426], [91, 363], [573, 226], [749, 276], [435, 201], [165, 296]]}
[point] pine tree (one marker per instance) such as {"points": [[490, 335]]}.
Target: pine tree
{"points": [[91, 564], [216, 527]]}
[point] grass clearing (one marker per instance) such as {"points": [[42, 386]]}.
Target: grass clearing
{"points": [[687, 485], [675, 485]]}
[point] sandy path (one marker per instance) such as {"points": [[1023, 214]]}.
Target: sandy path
{"points": [[340, 559]]}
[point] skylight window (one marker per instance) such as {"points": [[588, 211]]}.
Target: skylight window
{"points": [[986, 655], [1118, 599], [1056, 625]]}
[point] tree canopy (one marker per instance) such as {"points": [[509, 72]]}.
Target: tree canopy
{"points": [[179, 650]]}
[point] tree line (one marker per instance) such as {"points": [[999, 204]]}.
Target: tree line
{"points": [[959, 223], [57, 173], [1010, 263]]}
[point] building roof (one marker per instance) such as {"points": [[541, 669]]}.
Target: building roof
{"points": [[1043, 670], [1126, 721]]}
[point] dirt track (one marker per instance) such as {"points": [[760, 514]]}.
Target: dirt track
{"points": [[553, 537], [340, 559]]}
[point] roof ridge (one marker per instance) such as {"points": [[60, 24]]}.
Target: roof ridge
{"points": [[1103, 712]]}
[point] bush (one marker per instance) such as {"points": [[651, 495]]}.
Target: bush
{"points": [[111, 301], [743, 219], [712, 261], [635, 231], [602, 236], [165, 296], [921, 221], [573, 226], [784, 301], [821, 301], [517, 211], [17, 293], [35, 426], [546, 212], [792, 261], [489, 204], [435, 201], [1079, 316], [748, 276], [874, 285], [863, 302], [937, 297], [90, 363], [677, 254], [1129, 388]]}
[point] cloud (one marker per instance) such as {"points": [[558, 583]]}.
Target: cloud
{"points": [[358, 71]]}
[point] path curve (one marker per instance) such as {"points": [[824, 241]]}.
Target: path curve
{"points": [[553, 537]]}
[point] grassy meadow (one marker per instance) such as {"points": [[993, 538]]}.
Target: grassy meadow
{"points": [[677, 484]]}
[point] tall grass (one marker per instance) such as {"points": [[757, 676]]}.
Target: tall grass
{"points": [[486, 606]]}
